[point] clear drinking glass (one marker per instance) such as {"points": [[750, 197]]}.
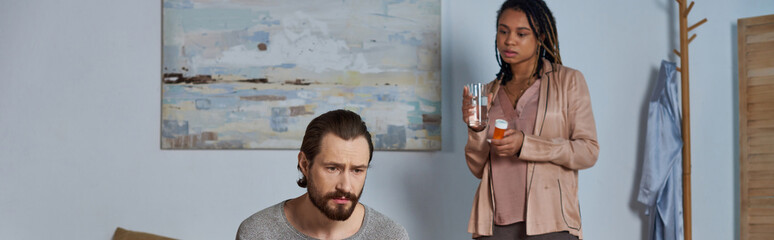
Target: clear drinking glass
{"points": [[479, 100]]}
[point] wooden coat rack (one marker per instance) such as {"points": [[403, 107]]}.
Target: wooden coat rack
{"points": [[686, 123]]}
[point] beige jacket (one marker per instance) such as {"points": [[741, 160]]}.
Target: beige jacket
{"points": [[564, 141]]}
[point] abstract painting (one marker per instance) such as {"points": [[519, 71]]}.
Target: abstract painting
{"points": [[240, 74]]}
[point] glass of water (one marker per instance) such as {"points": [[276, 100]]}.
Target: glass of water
{"points": [[478, 118]]}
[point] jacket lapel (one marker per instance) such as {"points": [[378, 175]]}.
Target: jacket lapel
{"points": [[543, 97], [541, 114]]}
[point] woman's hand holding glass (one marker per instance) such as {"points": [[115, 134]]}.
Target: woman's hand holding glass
{"points": [[469, 110]]}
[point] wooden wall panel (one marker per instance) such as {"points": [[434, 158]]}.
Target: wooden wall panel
{"points": [[756, 119]]}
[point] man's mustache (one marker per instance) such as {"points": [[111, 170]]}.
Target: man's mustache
{"points": [[341, 194]]}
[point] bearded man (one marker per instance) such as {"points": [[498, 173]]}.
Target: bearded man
{"points": [[334, 159]]}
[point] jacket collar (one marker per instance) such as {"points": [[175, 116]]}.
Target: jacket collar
{"points": [[548, 67]]}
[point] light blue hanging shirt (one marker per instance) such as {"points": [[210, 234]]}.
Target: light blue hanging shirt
{"points": [[661, 184]]}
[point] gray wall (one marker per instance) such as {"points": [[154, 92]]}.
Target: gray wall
{"points": [[80, 108]]}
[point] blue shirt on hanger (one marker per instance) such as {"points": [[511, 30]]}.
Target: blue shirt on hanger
{"points": [[661, 184]]}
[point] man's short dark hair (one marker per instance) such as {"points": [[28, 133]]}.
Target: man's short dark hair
{"points": [[343, 123]]}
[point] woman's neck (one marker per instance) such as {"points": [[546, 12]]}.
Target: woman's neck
{"points": [[524, 70]]}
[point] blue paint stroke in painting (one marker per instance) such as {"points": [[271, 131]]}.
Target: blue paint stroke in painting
{"points": [[394, 17], [259, 37], [171, 55], [269, 22], [213, 70], [203, 104], [414, 116], [386, 5], [173, 128], [382, 94], [401, 37], [286, 65], [386, 97], [266, 19], [395, 138], [194, 20], [279, 119], [431, 8], [249, 71], [179, 4], [417, 118]]}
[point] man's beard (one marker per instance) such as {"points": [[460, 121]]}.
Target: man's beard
{"points": [[337, 213]]}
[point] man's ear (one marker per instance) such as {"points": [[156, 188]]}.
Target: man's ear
{"points": [[303, 163]]}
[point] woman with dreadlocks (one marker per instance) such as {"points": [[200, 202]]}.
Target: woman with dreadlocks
{"points": [[529, 178]]}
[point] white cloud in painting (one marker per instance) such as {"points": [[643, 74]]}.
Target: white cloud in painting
{"points": [[303, 41], [379, 116], [426, 108]]}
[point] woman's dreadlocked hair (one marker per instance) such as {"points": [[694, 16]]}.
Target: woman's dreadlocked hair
{"points": [[542, 22]]}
